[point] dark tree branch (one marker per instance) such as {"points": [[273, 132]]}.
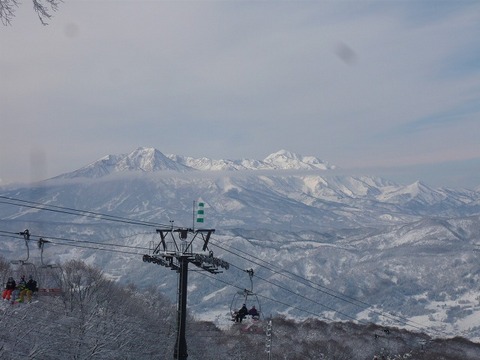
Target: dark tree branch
{"points": [[7, 10], [43, 8]]}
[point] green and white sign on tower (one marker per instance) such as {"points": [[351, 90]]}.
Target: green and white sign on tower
{"points": [[200, 212]]}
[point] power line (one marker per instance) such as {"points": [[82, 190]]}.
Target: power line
{"points": [[74, 243], [76, 212], [270, 299], [96, 215], [330, 292], [135, 253]]}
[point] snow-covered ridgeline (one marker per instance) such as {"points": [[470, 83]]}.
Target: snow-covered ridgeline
{"points": [[150, 160]]}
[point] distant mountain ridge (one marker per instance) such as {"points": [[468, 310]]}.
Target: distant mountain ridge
{"points": [[147, 159], [314, 186]]}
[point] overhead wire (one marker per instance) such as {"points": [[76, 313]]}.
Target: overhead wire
{"points": [[295, 293], [72, 243], [288, 274], [76, 212], [134, 253], [267, 298], [60, 240], [397, 319], [101, 216]]}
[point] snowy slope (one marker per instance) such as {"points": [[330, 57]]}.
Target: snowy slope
{"points": [[405, 249]]}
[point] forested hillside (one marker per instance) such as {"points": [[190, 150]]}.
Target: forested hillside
{"points": [[95, 318]]}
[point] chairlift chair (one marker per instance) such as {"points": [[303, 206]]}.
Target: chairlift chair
{"points": [[249, 324], [49, 280], [23, 267]]}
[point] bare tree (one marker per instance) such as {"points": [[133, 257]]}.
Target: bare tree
{"points": [[43, 8], [5, 270]]}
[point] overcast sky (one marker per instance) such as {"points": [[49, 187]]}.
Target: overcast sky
{"points": [[386, 86]]}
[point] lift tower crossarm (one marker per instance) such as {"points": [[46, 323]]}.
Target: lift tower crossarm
{"points": [[183, 235]]}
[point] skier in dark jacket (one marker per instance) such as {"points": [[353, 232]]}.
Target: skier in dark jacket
{"points": [[253, 312], [241, 313], [9, 287]]}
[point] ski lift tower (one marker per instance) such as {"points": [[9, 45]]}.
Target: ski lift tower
{"points": [[175, 251]]}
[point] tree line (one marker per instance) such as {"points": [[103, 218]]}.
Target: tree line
{"points": [[94, 317]]}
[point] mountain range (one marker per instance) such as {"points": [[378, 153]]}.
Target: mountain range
{"points": [[152, 160], [329, 245]]}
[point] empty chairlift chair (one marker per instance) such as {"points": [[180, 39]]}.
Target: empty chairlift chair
{"points": [[49, 275]]}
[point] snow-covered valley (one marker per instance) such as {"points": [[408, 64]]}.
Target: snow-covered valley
{"points": [[321, 245]]}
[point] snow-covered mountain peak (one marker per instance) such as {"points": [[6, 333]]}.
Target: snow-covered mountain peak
{"points": [[142, 159], [284, 159], [148, 160], [415, 192], [283, 154]]}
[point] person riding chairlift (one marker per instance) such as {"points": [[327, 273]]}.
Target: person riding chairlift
{"points": [[9, 288], [241, 313], [29, 289], [253, 313]]}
